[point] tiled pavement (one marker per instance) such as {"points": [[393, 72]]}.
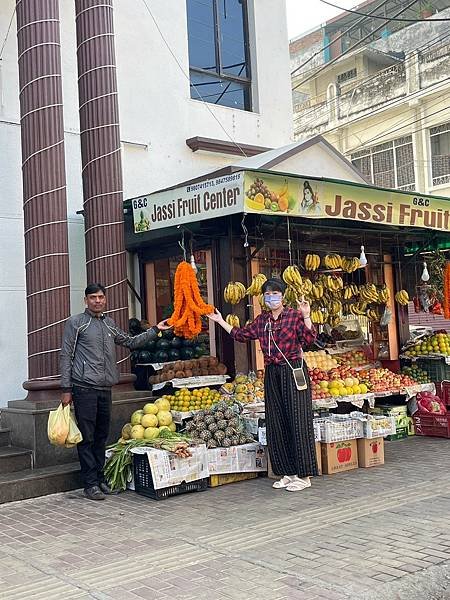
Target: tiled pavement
{"points": [[379, 533]]}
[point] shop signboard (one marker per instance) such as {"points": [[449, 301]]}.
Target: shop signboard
{"points": [[195, 202], [276, 194], [321, 199]]}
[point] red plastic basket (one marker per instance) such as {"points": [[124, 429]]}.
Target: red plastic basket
{"points": [[433, 425], [443, 391]]}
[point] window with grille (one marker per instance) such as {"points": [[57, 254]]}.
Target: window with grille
{"points": [[390, 164], [219, 63], [440, 153]]}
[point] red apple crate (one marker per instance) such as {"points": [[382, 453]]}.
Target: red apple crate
{"points": [[432, 425]]}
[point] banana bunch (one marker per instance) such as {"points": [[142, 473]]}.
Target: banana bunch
{"points": [[292, 277], [372, 315], [368, 293], [234, 292], [332, 261], [319, 316], [335, 308], [317, 291], [402, 297], [307, 287], [256, 285], [384, 295], [312, 262], [291, 296], [334, 284], [358, 309], [233, 320], [351, 291], [349, 265]]}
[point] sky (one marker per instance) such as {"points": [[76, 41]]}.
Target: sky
{"points": [[301, 20]]}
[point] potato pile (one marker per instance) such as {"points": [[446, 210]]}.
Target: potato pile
{"points": [[206, 365]]}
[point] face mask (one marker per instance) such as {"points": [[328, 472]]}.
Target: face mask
{"points": [[272, 301]]}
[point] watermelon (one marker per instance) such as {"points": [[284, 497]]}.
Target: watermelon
{"points": [[174, 354], [134, 356], [163, 344], [198, 351], [186, 353], [167, 334], [187, 343], [176, 342], [145, 357], [151, 345], [161, 356]]}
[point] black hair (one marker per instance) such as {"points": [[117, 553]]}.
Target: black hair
{"points": [[94, 288], [307, 186], [273, 285]]}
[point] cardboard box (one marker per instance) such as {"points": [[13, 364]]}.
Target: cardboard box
{"points": [[339, 456], [319, 457], [371, 452]]}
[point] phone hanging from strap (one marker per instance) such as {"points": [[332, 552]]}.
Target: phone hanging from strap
{"points": [[298, 374]]}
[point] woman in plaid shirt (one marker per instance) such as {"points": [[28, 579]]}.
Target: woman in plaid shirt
{"points": [[282, 333]]}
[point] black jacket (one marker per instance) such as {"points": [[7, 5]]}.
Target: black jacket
{"points": [[88, 352]]}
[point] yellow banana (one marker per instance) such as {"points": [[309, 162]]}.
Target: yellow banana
{"points": [[402, 297]]}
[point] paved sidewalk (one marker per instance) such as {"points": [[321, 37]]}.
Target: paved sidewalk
{"points": [[381, 533]]}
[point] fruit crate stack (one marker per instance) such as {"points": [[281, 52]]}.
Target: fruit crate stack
{"points": [[437, 368], [339, 429]]}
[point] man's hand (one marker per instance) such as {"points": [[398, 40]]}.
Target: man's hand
{"points": [[163, 325], [66, 398]]}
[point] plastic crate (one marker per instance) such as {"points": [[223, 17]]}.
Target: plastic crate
{"points": [[437, 368], [339, 430], [443, 391], [143, 482], [401, 434], [432, 425]]}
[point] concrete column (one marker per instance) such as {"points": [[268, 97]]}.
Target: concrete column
{"points": [[101, 159], [44, 190]]}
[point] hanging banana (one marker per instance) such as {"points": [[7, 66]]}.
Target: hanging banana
{"points": [[234, 292], [255, 287], [402, 297]]}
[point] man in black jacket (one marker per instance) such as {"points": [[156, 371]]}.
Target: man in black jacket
{"points": [[88, 372]]}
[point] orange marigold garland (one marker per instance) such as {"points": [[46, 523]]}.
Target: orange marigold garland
{"points": [[447, 291], [188, 303]]}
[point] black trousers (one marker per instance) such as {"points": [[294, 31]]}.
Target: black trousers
{"points": [[93, 414], [289, 422]]}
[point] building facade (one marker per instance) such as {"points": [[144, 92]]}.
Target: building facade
{"points": [[198, 83], [378, 91]]}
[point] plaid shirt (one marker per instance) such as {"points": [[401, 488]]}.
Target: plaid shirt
{"points": [[288, 331]]}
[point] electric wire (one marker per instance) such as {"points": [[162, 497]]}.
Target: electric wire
{"points": [[357, 12], [331, 62], [7, 33]]}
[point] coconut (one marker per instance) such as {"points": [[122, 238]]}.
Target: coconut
{"points": [[213, 361], [188, 373], [221, 369], [179, 374]]}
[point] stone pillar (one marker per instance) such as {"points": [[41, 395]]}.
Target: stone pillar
{"points": [[44, 191], [101, 159]]}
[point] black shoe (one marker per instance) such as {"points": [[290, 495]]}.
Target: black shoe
{"points": [[94, 493], [104, 487]]}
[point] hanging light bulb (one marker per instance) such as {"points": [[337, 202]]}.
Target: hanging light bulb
{"points": [[425, 274], [193, 265], [362, 257]]}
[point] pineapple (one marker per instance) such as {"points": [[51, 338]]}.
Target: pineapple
{"points": [[234, 422], [219, 415], [242, 438], [209, 419], [200, 426], [235, 440], [205, 435], [219, 435], [222, 424], [213, 427], [222, 405], [211, 444], [226, 442], [190, 426], [228, 413], [229, 432]]}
